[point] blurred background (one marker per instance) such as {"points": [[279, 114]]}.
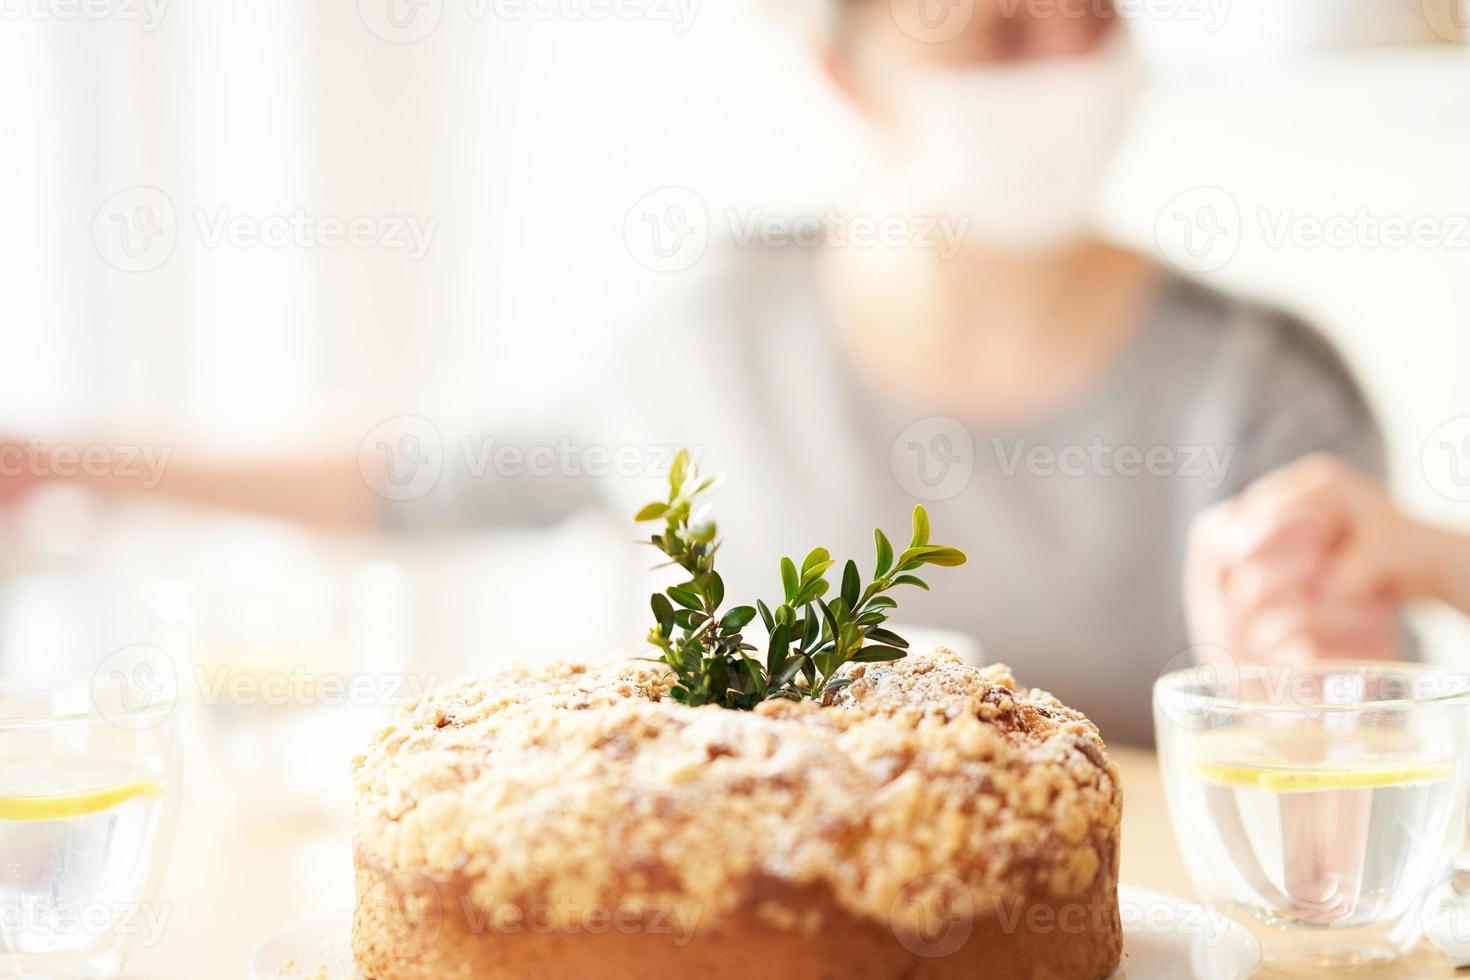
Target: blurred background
{"points": [[497, 157]]}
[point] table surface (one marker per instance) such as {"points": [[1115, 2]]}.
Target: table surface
{"points": [[237, 878]]}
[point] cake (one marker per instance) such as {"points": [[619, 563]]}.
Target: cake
{"points": [[930, 821]]}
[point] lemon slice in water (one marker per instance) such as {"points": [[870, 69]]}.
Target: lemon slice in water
{"points": [[60, 789], [1307, 779]]}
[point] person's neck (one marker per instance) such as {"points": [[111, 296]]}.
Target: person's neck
{"points": [[990, 334]]}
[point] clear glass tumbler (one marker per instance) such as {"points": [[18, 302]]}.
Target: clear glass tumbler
{"points": [[88, 776], [1317, 802]]}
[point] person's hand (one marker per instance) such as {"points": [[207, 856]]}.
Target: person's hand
{"points": [[1310, 562]]}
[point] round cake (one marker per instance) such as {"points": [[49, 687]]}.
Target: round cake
{"points": [[931, 821]]}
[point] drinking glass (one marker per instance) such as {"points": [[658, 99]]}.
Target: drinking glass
{"points": [[1319, 800], [88, 775]]}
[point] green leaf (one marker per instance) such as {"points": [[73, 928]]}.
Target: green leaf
{"points": [[689, 618], [652, 512], [911, 580], [766, 616], [757, 676], [736, 618], [930, 555], [885, 553], [663, 611], [815, 557], [790, 582], [878, 654], [679, 470], [812, 592], [715, 590], [882, 602], [776, 650], [814, 573], [685, 597], [888, 637], [921, 527], [852, 585], [788, 671], [810, 628]]}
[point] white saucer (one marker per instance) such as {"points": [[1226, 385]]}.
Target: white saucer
{"points": [[1165, 938]]}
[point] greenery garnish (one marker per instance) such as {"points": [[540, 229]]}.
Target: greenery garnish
{"points": [[809, 639]]}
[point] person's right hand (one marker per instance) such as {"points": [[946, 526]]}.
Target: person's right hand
{"points": [[1310, 562]]}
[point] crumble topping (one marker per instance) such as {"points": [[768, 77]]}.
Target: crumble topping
{"points": [[587, 784]]}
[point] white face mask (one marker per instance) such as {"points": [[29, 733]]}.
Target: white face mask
{"points": [[1019, 150]]}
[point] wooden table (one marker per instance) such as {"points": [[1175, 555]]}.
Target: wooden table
{"points": [[235, 879]]}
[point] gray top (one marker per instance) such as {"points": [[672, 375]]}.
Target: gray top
{"points": [[1076, 527]]}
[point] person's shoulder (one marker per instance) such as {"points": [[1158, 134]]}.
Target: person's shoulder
{"points": [[1264, 348]]}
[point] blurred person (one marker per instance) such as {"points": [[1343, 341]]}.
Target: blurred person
{"points": [[1063, 406], [1311, 562]]}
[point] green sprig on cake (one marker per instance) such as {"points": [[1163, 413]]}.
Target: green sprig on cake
{"points": [[809, 639]]}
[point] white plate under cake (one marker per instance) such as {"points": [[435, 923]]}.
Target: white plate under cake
{"points": [[931, 822]]}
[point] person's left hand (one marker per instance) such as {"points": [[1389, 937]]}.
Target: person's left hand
{"points": [[1310, 562]]}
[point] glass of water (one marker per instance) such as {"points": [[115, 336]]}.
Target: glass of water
{"points": [[88, 773], [1318, 802]]}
